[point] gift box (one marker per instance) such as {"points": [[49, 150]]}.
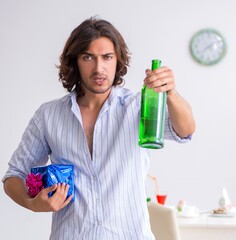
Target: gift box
{"points": [[46, 176]]}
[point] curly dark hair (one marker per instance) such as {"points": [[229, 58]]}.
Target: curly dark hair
{"points": [[79, 41]]}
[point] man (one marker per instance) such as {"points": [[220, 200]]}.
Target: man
{"points": [[95, 128]]}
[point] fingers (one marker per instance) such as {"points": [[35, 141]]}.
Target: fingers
{"points": [[50, 189], [67, 201], [43, 203], [58, 199], [61, 192], [161, 79]]}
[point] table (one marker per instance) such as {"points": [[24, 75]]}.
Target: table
{"points": [[207, 227]]}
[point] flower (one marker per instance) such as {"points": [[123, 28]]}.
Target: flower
{"points": [[34, 184]]}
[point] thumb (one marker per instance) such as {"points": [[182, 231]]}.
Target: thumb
{"points": [[50, 189]]}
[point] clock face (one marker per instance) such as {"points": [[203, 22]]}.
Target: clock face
{"points": [[208, 47]]}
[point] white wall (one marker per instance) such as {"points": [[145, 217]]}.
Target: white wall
{"points": [[33, 34]]}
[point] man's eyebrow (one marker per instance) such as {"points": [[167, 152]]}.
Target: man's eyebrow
{"points": [[91, 54], [86, 53]]}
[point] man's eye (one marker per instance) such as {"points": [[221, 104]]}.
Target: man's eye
{"points": [[87, 57], [108, 57]]}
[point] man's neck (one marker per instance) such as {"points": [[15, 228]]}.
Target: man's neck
{"points": [[92, 101]]}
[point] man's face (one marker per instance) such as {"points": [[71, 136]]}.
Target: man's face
{"points": [[97, 66]]}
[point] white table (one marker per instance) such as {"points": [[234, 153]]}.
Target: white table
{"points": [[207, 227]]}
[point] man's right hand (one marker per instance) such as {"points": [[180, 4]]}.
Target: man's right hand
{"points": [[16, 190], [43, 203]]}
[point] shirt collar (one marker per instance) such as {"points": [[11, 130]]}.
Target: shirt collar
{"points": [[116, 92]]}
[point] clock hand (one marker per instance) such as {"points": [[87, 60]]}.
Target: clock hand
{"points": [[212, 45]]}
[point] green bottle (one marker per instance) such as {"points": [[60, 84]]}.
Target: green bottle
{"points": [[152, 119]]}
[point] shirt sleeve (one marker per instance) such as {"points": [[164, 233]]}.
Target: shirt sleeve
{"points": [[32, 150], [170, 134]]}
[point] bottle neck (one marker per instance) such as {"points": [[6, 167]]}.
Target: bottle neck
{"points": [[156, 63]]}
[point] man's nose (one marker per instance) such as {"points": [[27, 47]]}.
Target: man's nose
{"points": [[99, 65]]}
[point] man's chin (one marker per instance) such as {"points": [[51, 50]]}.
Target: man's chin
{"points": [[99, 90]]}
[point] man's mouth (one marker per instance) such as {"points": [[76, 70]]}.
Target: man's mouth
{"points": [[99, 79]]}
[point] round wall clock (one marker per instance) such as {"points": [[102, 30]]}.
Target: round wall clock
{"points": [[207, 46]]}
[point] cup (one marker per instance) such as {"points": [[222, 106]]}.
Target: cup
{"points": [[161, 198], [188, 210]]}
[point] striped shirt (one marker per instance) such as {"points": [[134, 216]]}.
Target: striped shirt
{"points": [[110, 198]]}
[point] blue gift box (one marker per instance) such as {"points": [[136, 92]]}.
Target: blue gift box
{"points": [[56, 173]]}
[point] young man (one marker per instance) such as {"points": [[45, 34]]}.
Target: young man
{"points": [[95, 128]]}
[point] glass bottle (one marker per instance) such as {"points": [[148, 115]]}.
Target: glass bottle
{"points": [[152, 119]]}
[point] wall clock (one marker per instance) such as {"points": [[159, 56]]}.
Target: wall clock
{"points": [[208, 47]]}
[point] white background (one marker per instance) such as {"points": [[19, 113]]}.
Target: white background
{"points": [[33, 34]]}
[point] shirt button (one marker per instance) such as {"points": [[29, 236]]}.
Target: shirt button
{"points": [[99, 222]]}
